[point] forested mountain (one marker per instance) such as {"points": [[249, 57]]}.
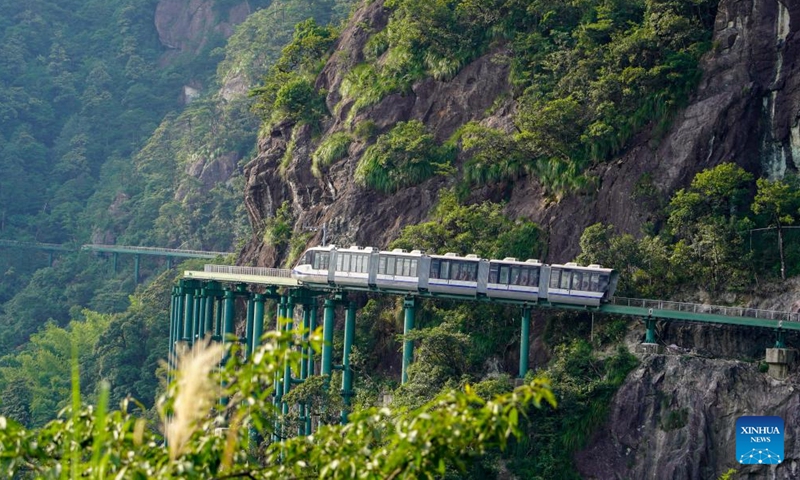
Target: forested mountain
{"points": [[657, 137]]}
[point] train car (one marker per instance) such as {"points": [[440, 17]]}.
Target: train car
{"points": [[467, 276], [573, 284], [313, 267], [350, 267], [514, 279], [456, 275], [400, 270]]}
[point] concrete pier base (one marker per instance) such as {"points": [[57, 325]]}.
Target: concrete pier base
{"points": [[780, 361]]}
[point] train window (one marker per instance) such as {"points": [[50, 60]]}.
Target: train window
{"points": [[406, 267], [524, 274], [534, 280], [390, 265], [434, 268], [472, 271], [555, 278], [565, 278], [444, 270], [382, 265], [339, 259], [576, 280], [321, 260], [585, 282], [595, 280], [455, 271], [514, 276], [414, 267], [493, 268], [359, 263], [603, 283], [308, 258], [504, 274]]}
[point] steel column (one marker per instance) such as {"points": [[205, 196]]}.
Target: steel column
{"points": [[196, 319], [306, 326], [524, 348], [780, 339], [220, 315], [188, 316], [136, 259], [258, 321], [347, 372], [287, 368], [209, 313], [116, 261], [327, 337], [650, 335], [408, 345], [248, 327], [311, 327], [227, 328]]}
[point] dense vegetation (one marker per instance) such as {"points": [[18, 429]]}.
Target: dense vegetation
{"points": [[584, 76]]}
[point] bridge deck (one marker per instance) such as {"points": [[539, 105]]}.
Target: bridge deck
{"points": [[645, 308], [163, 252]]}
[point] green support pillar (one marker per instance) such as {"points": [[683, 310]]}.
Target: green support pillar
{"points": [[136, 260], [306, 326], [172, 321], [116, 261], [209, 313], [258, 320], [312, 325], [780, 339], [197, 315], [227, 322], [524, 347], [50, 258], [650, 334], [201, 324], [248, 327], [287, 369], [327, 337], [408, 345], [188, 316], [347, 372], [169, 263], [179, 315], [220, 315]]}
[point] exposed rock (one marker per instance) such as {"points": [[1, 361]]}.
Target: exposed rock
{"points": [[675, 417], [186, 27], [753, 64]]}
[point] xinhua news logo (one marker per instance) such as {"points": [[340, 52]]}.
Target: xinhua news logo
{"points": [[759, 440]]}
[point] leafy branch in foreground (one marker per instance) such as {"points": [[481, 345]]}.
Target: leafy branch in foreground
{"points": [[213, 418]]}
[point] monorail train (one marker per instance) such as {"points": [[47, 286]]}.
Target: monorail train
{"points": [[469, 276]]}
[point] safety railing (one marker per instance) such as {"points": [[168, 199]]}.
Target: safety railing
{"points": [[157, 250], [703, 308], [257, 271]]}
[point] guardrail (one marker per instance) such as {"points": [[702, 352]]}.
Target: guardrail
{"points": [[743, 312], [257, 271]]}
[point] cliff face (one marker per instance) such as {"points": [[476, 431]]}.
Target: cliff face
{"points": [[745, 110], [186, 26], [675, 418]]}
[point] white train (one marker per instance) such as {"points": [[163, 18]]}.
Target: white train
{"points": [[469, 276]]}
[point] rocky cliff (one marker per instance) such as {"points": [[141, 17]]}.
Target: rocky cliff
{"points": [[675, 415], [745, 110]]}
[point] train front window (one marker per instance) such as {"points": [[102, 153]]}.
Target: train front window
{"points": [[603, 283], [308, 258]]}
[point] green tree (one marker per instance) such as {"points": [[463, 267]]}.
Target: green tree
{"points": [[778, 200]]}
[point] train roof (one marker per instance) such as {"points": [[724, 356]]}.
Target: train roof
{"points": [[516, 261], [574, 266]]}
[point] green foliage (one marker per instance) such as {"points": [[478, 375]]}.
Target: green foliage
{"points": [[407, 155], [481, 229], [365, 130], [332, 149], [584, 385], [278, 228], [377, 443]]}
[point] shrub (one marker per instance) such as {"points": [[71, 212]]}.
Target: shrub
{"points": [[333, 148]]}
